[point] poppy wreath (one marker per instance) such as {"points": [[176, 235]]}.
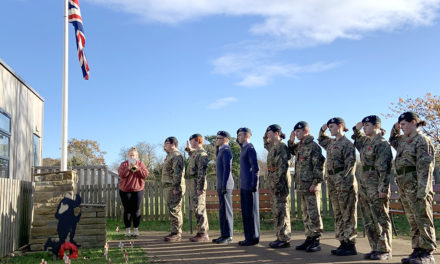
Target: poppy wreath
{"points": [[68, 246]]}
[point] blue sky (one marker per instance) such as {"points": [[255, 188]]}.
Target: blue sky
{"points": [[177, 67]]}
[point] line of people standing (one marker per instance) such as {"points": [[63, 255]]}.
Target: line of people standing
{"points": [[414, 164]]}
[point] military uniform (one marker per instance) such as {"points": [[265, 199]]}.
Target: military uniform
{"points": [[196, 174], [414, 166], [376, 158], [279, 181], [173, 179], [309, 163], [342, 185]]}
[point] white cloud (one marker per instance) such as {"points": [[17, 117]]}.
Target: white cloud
{"points": [[285, 24], [256, 69], [298, 21], [222, 102]]}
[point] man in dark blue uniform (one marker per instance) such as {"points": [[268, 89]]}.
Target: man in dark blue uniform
{"points": [[225, 184], [249, 188]]}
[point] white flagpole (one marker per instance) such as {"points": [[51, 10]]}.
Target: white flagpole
{"points": [[65, 90]]}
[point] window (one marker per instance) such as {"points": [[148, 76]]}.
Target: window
{"points": [[36, 150], [5, 135]]}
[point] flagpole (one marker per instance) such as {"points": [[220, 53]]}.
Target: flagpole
{"points": [[65, 90]]}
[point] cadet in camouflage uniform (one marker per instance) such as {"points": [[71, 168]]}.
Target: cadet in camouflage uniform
{"points": [[341, 183], [173, 182], [279, 180], [374, 185], [414, 166], [309, 163], [196, 181]]}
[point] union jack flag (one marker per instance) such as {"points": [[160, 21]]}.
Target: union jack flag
{"points": [[76, 20]]}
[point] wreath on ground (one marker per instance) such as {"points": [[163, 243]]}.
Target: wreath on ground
{"points": [[68, 246]]}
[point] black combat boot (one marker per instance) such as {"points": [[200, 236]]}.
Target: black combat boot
{"points": [[305, 244], [314, 246], [369, 255], [350, 249], [416, 252], [382, 256], [341, 246], [425, 257]]}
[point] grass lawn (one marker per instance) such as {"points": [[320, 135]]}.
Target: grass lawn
{"points": [[95, 256], [400, 221]]}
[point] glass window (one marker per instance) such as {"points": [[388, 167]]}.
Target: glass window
{"points": [[5, 122], [4, 168], [5, 134], [4, 146], [36, 151]]}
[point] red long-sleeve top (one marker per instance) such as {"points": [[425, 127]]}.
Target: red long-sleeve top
{"points": [[130, 181]]}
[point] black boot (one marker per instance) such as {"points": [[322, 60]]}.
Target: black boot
{"points": [[314, 246], [369, 255], [425, 257], [416, 252], [350, 249], [304, 245], [341, 246]]}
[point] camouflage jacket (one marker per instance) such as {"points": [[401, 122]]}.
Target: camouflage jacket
{"points": [[341, 160], [376, 158], [415, 151], [277, 167], [173, 170], [197, 166], [309, 163]]}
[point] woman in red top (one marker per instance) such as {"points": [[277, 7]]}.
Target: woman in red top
{"points": [[132, 174]]}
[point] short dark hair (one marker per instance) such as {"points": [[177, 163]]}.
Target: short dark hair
{"points": [[172, 140]]}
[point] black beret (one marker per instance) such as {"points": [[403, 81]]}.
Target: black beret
{"points": [[171, 140], [194, 136], [223, 134], [336, 120], [244, 130], [409, 116], [301, 125], [373, 119], [274, 128]]}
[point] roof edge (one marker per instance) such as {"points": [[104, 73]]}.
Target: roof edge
{"points": [[20, 79]]}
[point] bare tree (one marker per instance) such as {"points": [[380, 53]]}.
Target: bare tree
{"points": [[428, 108], [147, 154]]}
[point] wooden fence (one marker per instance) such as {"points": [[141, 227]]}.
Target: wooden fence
{"points": [[15, 214], [97, 184]]}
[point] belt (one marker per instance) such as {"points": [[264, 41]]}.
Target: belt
{"points": [[334, 171], [367, 168], [406, 170]]}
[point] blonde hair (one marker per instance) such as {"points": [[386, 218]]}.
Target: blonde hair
{"points": [[133, 149]]}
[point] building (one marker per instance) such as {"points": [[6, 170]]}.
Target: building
{"points": [[21, 126]]}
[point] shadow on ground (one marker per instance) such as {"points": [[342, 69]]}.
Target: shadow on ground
{"points": [[159, 251]]}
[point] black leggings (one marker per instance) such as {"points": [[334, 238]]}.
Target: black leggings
{"points": [[132, 207]]}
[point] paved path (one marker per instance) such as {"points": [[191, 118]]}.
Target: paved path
{"points": [[159, 251]]}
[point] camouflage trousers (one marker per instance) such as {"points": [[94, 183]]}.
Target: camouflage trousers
{"points": [[174, 205], [375, 214], [281, 211], [198, 205], [419, 215], [344, 203], [311, 213]]}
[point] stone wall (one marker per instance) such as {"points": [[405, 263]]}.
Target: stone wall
{"points": [[91, 229], [50, 189]]}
